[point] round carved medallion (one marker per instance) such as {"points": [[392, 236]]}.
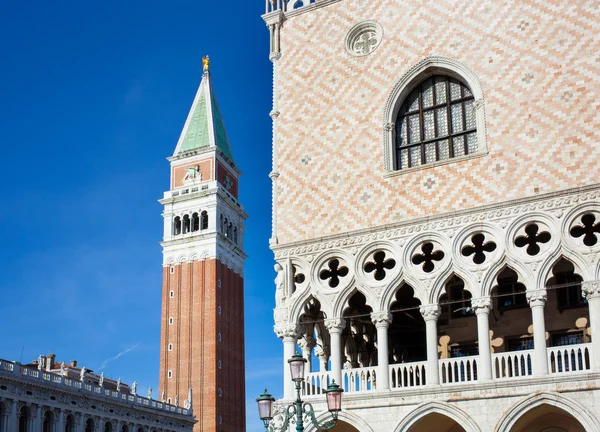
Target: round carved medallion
{"points": [[364, 38]]}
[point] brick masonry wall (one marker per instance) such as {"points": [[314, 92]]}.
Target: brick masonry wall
{"points": [[197, 351], [539, 68]]}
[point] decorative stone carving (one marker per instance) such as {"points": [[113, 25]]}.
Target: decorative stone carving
{"points": [[289, 331], [381, 319], [537, 298], [590, 290], [335, 325], [481, 305], [430, 312], [364, 38]]}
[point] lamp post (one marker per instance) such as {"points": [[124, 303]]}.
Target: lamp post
{"points": [[300, 411]]}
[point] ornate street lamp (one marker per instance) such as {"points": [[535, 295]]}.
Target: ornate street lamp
{"points": [[300, 411]]}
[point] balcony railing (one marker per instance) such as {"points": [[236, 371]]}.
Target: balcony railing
{"points": [[458, 370], [512, 365], [408, 375], [358, 380], [569, 358]]}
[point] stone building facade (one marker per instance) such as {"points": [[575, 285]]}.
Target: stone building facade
{"points": [[435, 210], [49, 397], [202, 329]]}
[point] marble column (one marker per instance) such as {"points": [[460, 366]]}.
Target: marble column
{"points": [[61, 421], [537, 302], [307, 343], [431, 314], [591, 291], [289, 336], [37, 419], [382, 321], [482, 307], [335, 327]]}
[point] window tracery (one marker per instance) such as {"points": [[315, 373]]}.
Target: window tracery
{"points": [[437, 121]]}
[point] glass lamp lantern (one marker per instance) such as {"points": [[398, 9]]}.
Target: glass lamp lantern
{"points": [[334, 399], [265, 406], [297, 363]]}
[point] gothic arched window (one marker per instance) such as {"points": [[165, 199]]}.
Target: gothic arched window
{"points": [[436, 122]]}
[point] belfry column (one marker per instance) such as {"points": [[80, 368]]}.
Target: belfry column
{"points": [[335, 327], [537, 302], [289, 335], [382, 321], [591, 291], [431, 314], [482, 307]]}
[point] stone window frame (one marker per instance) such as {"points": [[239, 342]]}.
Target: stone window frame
{"points": [[414, 76]]}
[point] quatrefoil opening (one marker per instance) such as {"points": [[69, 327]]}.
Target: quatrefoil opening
{"points": [[532, 239], [428, 257], [478, 248], [588, 229], [334, 273], [379, 265]]}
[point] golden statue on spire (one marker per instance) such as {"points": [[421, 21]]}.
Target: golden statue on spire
{"points": [[205, 63]]}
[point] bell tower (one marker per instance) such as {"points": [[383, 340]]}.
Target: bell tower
{"points": [[202, 330]]}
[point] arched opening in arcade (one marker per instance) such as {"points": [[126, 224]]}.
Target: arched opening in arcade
{"points": [[407, 340], [342, 426], [359, 344], [436, 422], [89, 425], [547, 418], [48, 422], [70, 423], [24, 419], [457, 333]]}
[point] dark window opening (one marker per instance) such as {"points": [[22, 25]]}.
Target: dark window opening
{"points": [[510, 293], [437, 121], [195, 222], [177, 226]]}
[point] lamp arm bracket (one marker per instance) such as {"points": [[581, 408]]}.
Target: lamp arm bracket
{"points": [[288, 414], [309, 413]]}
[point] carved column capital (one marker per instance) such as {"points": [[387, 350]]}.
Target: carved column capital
{"points": [[335, 325], [430, 312], [481, 305], [274, 114], [274, 56], [273, 175], [537, 298], [287, 332], [307, 343], [388, 126], [590, 290], [381, 319]]}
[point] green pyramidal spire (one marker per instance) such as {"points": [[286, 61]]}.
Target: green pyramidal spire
{"points": [[204, 127]]}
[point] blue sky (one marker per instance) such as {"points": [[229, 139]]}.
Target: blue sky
{"points": [[93, 96]]}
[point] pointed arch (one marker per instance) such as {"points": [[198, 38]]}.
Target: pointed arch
{"points": [[439, 285], [416, 74], [389, 293], [346, 416], [298, 308], [445, 409], [581, 267], [514, 413], [489, 281], [342, 299]]}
